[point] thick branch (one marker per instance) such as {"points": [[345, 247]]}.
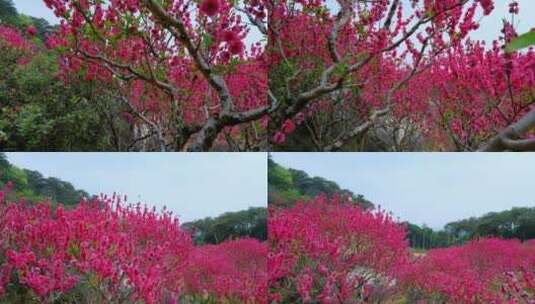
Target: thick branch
{"points": [[227, 117], [509, 138], [211, 128], [343, 17], [259, 25]]}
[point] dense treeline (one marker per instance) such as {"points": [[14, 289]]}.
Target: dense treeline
{"points": [[286, 186], [42, 108], [230, 225], [423, 237], [34, 187], [517, 223]]}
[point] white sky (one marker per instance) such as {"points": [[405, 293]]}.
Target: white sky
{"points": [[192, 185], [430, 188]]}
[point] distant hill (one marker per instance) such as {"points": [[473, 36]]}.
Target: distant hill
{"points": [[231, 225], [287, 185], [34, 187], [518, 222], [11, 17]]}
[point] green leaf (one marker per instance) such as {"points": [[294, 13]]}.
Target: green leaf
{"points": [[207, 40], [521, 42]]}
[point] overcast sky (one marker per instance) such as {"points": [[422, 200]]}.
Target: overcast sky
{"points": [[430, 188], [488, 31], [192, 185]]}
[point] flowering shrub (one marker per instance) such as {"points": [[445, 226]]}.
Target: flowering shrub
{"points": [[330, 251], [482, 271], [114, 251], [13, 38], [14, 47], [105, 251]]}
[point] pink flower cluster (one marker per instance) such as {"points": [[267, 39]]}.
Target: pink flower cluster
{"points": [[232, 270], [330, 251], [119, 249], [482, 271], [15, 46], [463, 92], [13, 38], [481, 90], [210, 7]]}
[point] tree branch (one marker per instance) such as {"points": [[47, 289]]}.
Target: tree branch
{"points": [[509, 138], [357, 131]]}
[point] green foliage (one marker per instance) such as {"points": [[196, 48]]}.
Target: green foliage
{"points": [[4, 163], [33, 186], [17, 176], [40, 112], [519, 222], [523, 41], [286, 77], [286, 186], [278, 176], [231, 225], [8, 13]]}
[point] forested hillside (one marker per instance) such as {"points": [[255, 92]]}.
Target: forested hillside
{"points": [[34, 187], [287, 185]]}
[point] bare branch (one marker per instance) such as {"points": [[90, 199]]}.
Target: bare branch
{"points": [[357, 131], [391, 13]]}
